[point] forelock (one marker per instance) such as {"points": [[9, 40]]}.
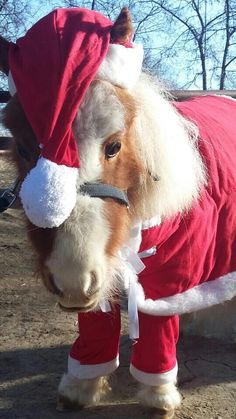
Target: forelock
{"points": [[101, 113]]}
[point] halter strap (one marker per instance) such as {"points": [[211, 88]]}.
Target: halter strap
{"points": [[102, 190], [94, 190], [8, 196]]}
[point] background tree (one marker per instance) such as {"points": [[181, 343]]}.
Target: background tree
{"points": [[188, 43], [144, 16], [12, 17], [202, 34], [191, 43], [15, 15]]}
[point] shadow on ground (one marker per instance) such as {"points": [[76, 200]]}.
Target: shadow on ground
{"points": [[29, 379]]}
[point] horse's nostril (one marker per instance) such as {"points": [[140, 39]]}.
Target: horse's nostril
{"points": [[93, 288], [53, 288]]}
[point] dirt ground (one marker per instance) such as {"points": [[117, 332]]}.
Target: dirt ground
{"points": [[36, 337]]}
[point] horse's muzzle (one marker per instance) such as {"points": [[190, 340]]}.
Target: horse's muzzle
{"points": [[84, 309], [81, 299]]}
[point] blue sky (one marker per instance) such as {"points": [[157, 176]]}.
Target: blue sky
{"points": [[173, 68]]}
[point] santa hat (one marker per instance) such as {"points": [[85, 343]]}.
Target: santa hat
{"points": [[51, 68]]}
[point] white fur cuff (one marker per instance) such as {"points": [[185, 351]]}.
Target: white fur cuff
{"points": [[48, 193], [91, 371], [154, 379], [122, 66]]}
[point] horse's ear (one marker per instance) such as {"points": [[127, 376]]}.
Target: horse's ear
{"points": [[122, 29], [4, 48]]}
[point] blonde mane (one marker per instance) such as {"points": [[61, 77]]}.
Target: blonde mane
{"points": [[168, 147]]}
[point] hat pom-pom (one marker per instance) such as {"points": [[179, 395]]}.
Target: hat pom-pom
{"points": [[48, 193]]}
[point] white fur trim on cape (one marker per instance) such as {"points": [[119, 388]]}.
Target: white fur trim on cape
{"points": [[202, 296], [80, 371], [48, 193], [122, 66], [154, 379], [197, 298]]}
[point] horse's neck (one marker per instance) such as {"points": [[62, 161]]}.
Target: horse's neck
{"points": [[167, 144]]}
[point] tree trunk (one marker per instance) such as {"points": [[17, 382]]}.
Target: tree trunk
{"points": [[93, 5], [226, 48]]}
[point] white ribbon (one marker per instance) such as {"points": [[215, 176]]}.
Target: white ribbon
{"points": [[104, 305], [133, 313], [131, 266]]}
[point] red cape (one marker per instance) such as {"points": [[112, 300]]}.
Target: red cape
{"points": [[199, 246]]}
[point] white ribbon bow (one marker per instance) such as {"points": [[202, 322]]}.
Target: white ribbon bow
{"points": [[131, 266]]}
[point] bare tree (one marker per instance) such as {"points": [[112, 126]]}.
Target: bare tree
{"points": [[73, 3], [13, 17], [144, 15], [229, 53], [190, 43], [205, 31]]}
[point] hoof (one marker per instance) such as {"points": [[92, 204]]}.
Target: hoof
{"points": [[162, 400], [74, 394], [65, 404], [162, 414]]}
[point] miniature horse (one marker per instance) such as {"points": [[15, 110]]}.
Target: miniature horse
{"points": [[171, 248]]}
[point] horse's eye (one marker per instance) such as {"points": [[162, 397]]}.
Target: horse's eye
{"points": [[112, 149]]}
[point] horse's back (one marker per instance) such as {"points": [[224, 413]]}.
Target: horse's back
{"points": [[200, 245], [215, 117]]}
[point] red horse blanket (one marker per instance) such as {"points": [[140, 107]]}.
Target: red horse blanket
{"points": [[199, 246], [191, 254]]}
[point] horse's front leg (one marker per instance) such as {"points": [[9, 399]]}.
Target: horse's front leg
{"points": [[74, 393], [94, 355], [154, 365], [163, 399]]}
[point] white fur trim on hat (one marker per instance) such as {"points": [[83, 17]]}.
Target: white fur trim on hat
{"points": [[122, 66], [48, 193]]}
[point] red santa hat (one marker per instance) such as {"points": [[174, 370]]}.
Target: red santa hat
{"points": [[51, 68]]}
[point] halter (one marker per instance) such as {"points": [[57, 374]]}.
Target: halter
{"points": [[103, 190], [8, 196], [95, 190]]}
